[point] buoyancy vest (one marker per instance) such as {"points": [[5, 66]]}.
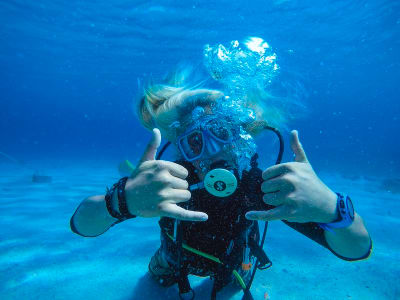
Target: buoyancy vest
{"points": [[225, 235]]}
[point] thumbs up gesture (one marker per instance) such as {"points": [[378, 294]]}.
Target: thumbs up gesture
{"points": [[156, 186], [296, 192]]}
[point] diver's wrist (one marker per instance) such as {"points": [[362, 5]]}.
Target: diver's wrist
{"points": [[344, 212], [116, 201], [332, 208]]}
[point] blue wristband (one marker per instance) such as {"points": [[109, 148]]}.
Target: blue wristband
{"points": [[346, 214]]}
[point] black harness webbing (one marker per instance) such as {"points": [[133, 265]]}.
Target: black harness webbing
{"points": [[181, 271], [224, 270]]}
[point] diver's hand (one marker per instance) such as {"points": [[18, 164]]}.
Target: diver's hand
{"points": [[156, 186], [296, 191]]}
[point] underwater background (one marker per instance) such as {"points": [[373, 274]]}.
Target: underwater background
{"points": [[70, 72]]}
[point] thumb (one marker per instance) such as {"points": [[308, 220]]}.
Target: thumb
{"points": [[297, 148], [152, 146]]}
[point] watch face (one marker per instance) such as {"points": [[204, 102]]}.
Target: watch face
{"points": [[350, 207]]}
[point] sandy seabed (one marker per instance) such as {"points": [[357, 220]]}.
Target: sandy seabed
{"points": [[40, 258]]}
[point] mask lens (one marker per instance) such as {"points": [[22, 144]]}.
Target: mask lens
{"points": [[219, 131], [192, 145]]}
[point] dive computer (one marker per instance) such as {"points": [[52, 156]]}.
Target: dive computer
{"points": [[346, 214]]}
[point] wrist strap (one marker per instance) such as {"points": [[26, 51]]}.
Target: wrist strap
{"points": [[344, 220], [122, 205], [113, 213], [123, 213]]}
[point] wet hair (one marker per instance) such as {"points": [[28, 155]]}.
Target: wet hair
{"points": [[173, 100]]}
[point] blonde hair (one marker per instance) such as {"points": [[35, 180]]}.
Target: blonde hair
{"points": [[165, 103]]}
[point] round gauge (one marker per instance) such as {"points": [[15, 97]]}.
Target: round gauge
{"points": [[220, 182]]}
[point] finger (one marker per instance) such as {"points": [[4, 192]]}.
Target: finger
{"points": [[273, 185], [174, 211], [152, 146], [297, 148], [175, 195], [277, 213], [174, 169], [275, 171], [274, 199], [177, 183]]}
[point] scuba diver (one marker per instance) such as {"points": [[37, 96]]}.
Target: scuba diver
{"points": [[210, 198]]}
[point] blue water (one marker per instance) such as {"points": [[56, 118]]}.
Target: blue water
{"points": [[69, 75]]}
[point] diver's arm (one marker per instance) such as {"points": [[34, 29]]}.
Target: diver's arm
{"points": [[350, 243], [153, 190], [91, 218], [300, 197]]}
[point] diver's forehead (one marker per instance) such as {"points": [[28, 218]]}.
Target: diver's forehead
{"points": [[217, 120]]}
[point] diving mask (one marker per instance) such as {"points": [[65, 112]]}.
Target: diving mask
{"points": [[209, 137]]}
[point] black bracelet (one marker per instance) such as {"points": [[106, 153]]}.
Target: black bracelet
{"points": [[108, 199], [123, 213], [122, 205]]}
